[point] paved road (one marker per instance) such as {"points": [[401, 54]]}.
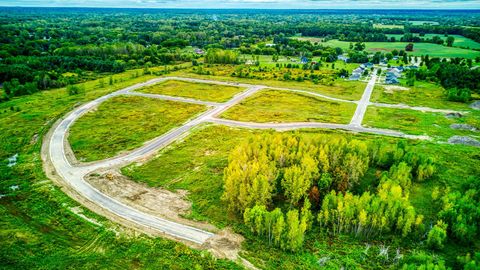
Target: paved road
{"points": [[364, 102], [74, 175], [306, 125]]}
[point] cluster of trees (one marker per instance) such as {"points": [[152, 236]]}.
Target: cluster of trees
{"points": [[267, 166], [461, 211], [455, 75], [286, 170], [284, 231], [219, 56], [368, 215]]}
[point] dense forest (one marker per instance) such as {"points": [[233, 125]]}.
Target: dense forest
{"points": [[286, 187], [42, 48]]}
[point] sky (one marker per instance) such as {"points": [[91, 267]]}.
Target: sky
{"points": [[276, 4]]}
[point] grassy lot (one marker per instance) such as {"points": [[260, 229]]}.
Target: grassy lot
{"points": [[39, 231], [196, 164], [433, 50], [284, 106], [124, 123], [419, 123], [460, 41], [200, 91], [422, 94], [349, 90]]}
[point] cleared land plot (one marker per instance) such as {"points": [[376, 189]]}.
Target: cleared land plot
{"points": [[420, 123], [433, 50], [343, 89], [285, 106], [460, 41], [422, 94], [124, 123], [200, 91], [195, 164]]}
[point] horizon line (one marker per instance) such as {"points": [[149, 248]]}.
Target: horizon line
{"points": [[249, 8]]}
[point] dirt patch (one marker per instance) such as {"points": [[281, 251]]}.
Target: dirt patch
{"points": [[156, 201], [391, 88], [225, 244], [166, 204]]}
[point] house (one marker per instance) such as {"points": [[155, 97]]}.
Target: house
{"points": [[369, 65], [358, 70], [390, 74], [395, 58], [391, 80], [395, 70], [270, 45], [199, 51], [354, 77], [343, 58], [304, 60]]}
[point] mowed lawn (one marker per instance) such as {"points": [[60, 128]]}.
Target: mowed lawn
{"points": [[200, 91], [420, 123], [422, 94], [433, 50], [124, 123], [284, 106]]}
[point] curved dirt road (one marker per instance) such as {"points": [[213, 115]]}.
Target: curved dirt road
{"points": [[74, 175]]}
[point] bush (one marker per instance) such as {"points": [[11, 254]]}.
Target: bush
{"points": [[75, 89], [437, 235], [459, 95]]}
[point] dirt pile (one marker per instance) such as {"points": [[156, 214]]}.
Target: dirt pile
{"points": [[464, 127], [156, 201], [475, 105], [465, 140]]}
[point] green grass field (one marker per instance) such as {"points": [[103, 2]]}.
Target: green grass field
{"points": [[284, 106], [124, 123], [422, 94], [39, 231], [460, 41], [420, 123], [433, 50], [200, 91]]}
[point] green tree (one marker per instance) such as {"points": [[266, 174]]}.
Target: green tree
{"points": [[437, 235], [450, 40]]}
